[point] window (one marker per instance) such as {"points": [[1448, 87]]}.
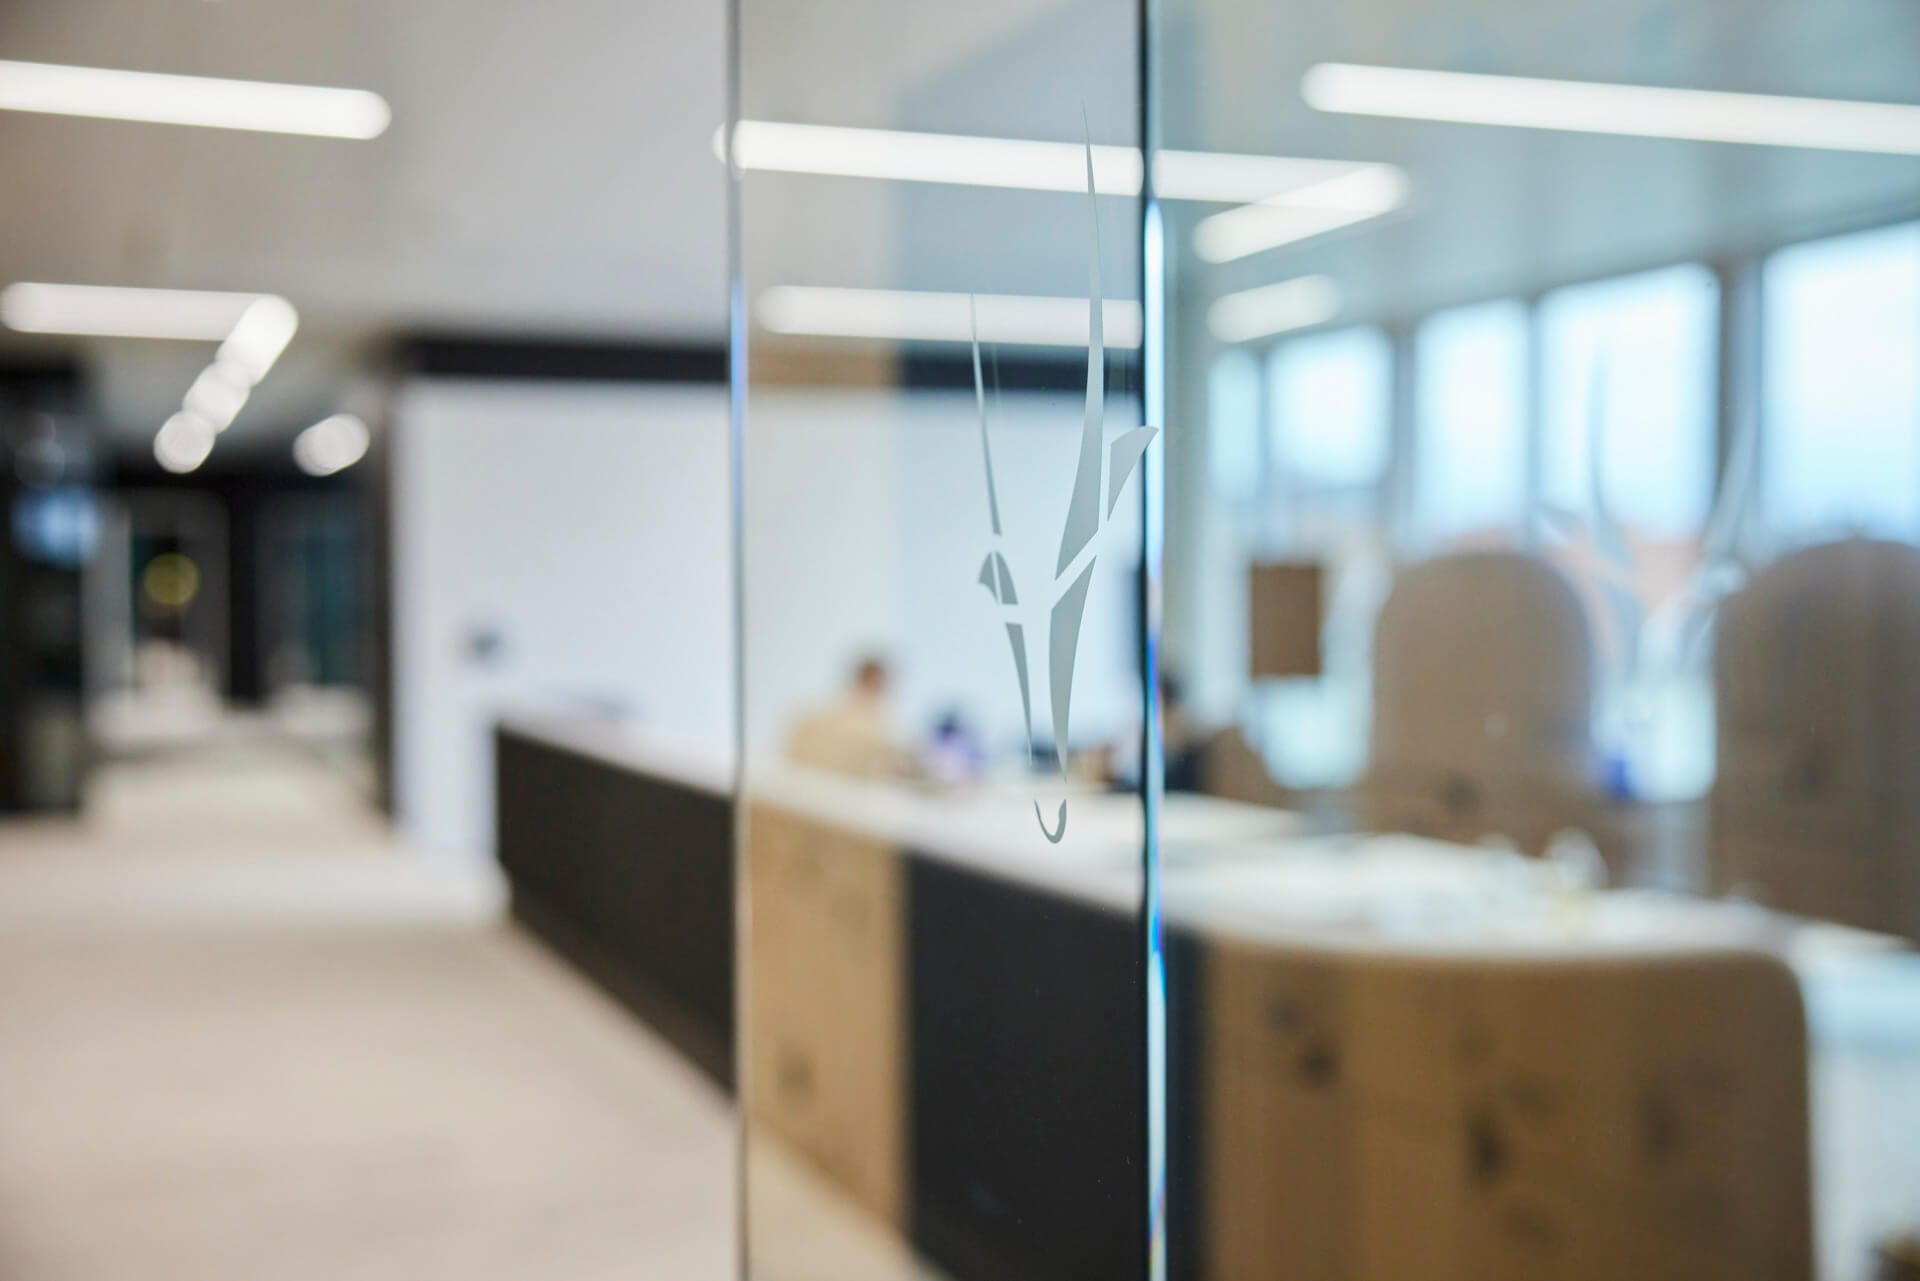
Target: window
{"points": [[1331, 400], [1634, 358], [1233, 428], [1330, 409], [1841, 387], [1629, 386], [1470, 423]]}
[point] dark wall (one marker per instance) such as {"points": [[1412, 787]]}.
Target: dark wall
{"points": [[44, 446], [246, 488], [631, 878]]}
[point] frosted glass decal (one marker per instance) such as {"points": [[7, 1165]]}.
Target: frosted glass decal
{"points": [[1085, 519]]}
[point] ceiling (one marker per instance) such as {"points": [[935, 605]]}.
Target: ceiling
{"points": [[549, 169]]}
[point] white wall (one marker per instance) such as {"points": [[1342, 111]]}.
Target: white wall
{"points": [[867, 521], [587, 526]]}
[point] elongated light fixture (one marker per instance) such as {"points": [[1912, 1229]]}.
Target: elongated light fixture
{"points": [[1022, 163], [183, 443], [155, 98], [194, 315], [332, 444], [1311, 211], [252, 330], [1273, 309], [912, 316], [1646, 111]]}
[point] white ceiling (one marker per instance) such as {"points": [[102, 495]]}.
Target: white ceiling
{"points": [[548, 168]]}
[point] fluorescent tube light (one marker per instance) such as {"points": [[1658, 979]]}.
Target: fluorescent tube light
{"points": [[112, 312], [1224, 178], [1634, 110], [1325, 206], [259, 336], [183, 443], [1273, 309], [331, 445], [218, 395], [933, 157], [255, 105], [1021, 163], [906, 316]]}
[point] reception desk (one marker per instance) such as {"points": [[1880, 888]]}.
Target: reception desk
{"points": [[619, 854], [1389, 1058]]}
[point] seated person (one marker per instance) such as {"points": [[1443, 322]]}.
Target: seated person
{"points": [[854, 735]]}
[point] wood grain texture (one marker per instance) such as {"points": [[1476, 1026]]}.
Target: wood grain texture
{"points": [[826, 1021], [1444, 1119]]}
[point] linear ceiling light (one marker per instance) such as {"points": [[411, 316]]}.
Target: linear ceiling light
{"points": [[1021, 163], [331, 445], [106, 311], [217, 397], [111, 94], [259, 336], [252, 330], [183, 443], [1635, 110], [905, 316], [1325, 206], [1273, 309]]}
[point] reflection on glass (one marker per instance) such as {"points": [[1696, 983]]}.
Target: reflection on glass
{"points": [[1233, 437], [1628, 373], [1629, 369], [1575, 630], [944, 1014]]}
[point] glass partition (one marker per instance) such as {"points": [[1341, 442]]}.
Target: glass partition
{"points": [[944, 1003], [1543, 466]]}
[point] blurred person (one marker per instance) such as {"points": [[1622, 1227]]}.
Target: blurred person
{"points": [[956, 754], [1183, 746], [854, 735]]}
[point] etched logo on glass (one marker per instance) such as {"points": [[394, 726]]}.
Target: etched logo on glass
{"points": [[1087, 516]]}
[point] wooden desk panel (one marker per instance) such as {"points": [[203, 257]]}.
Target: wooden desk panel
{"points": [[825, 1037], [1370, 1118]]}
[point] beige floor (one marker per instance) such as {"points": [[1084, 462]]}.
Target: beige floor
{"points": [[242, 1038]]}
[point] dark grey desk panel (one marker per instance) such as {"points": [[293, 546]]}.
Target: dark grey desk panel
{"points": [[630, 877]]}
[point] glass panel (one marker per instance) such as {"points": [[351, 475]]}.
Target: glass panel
{"points": [[942, 854], [1591, 498]]}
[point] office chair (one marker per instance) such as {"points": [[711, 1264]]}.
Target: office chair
{"points": [[1816, 803]]}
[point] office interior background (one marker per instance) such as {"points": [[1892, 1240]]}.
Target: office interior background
{"points": [[1044, 640]]}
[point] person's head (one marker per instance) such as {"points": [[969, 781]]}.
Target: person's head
{"points": [[871, 677], [1172, 692]]}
